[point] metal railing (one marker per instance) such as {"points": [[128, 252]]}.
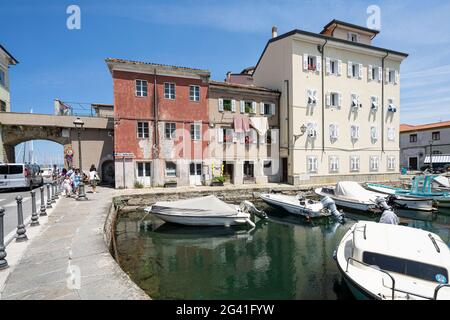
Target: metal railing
{"points": [[439, 287]]}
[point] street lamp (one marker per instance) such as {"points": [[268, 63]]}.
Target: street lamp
{"points": [[81, 193], [431, 156]]}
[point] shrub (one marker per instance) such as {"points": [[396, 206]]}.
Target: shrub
{"points": [[138, 185]]}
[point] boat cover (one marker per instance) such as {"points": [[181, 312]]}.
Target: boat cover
{"points": [[202, 206], [442, 181], [352, 190]]}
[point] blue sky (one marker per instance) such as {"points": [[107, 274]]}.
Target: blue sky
{"points": [[217, 35]]}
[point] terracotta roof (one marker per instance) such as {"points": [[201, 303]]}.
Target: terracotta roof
{"points": [[435, 125], [241, 86], [350, 25], [132, 62]]}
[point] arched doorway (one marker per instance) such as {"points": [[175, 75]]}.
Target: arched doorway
{"points": [[108, 175]]}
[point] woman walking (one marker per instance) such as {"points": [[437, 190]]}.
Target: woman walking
{"points": [[76, 178], [93, 178]]}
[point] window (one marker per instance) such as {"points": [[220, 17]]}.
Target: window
{"points": [[354, 132], [334, 163], [391, 77], [410, 268], [333, 66], [2, 106], [391, 134], [312, 130], [267, 109], [354, 163], [227, 104], [194, 93], [353, 37], [171, 169], [437, 152], [169, 90], [413, 138], [373, 103], [251, 137], [374, 73], [334, 131], [374, 163], [226, 135], [391, 106], [436, 135], [334, 99], [312, 162], [312, 96], [2, 78], [312, 63], [196, 131], [269, 136], [143, 130], [373, 133], [143, 169], [170, 129], [391, 163], [355, 70], [249, 107], [355, 105], [249, 169], [195, 169], [141, 88]]}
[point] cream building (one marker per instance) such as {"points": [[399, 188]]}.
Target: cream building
{"points": [[6, 59], [244, 156], [340, 103]]}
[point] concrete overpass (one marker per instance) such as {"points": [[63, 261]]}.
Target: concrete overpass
{"points": [[97, 138]]}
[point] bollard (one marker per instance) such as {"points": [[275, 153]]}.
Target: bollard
{"points": [[52, 185], [3, 262], [43, 209], [49, 197], [34, 214], [21, 231], [56, 190]]}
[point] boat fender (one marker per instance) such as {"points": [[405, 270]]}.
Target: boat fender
{"points": [[329, 203], [249, 207]]}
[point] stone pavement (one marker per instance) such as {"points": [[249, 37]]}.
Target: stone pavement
{"points": [[69, 258]]}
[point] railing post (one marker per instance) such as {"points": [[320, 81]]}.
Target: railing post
{"points": [[3, 262], [43, 208], [52, 185], [21, 231], [49, 197], [34, 214]]}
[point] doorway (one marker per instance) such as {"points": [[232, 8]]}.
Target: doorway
{"points": [[143, 173], [249, 172], [413, 163], [195, 174], [284, 175], [228, 172]]}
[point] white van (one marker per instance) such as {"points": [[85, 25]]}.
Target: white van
{"points": [[19, 175]]}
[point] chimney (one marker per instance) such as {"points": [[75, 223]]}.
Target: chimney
{"points": [[227, 79], [274, 32]]}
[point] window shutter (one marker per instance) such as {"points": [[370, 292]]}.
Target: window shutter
{"points": [[221, 105], [242, 106], [328, 67], [339, 67], [369, 73], [349, 36], [319, 63], [272, 109], [337, 130], [360, 71], [261, 107], [328, 99], [254, 136], [397, 77], [235, 136], [349, 69], [332, 131], [219, 135], [387, 75], [339, 100], [380, 74], [274, 137], [305, 61], [262, 138], [233, 105]]}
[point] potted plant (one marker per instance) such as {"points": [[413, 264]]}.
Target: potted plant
{"points": [[218, 181], [170, 184]]}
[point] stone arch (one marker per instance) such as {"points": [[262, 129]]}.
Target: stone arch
{"points": [[107, 170]]}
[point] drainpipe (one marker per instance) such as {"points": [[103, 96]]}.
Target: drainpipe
{"points": [[321, 50], [155, 151], [383, 76], [288, 116]]}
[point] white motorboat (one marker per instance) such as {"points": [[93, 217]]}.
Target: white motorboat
{"points": [[299, 205], [403, 201], [202, 211], [390, 262]]}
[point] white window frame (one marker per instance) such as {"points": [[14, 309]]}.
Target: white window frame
{"points": [[391, 135], [168, 173], [392, 76], [334, 102], [354, 132], [330, 62], [312, 97], [355, 103], [374, 163], [311, 130], [391, 106], [194, 93], [196, 135], [353, 37], [373, 133], [2, 78], [391, 163], [333, 164], [144, 171], [172, 133], [170, 95], [373, 103], [139, 88], [355, 164], [143, 131], [312, 164], [334, 131], [271, 106]]}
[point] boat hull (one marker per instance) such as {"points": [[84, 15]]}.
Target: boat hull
{"points": [[415, 204], [203, 221], [360, 206], [293, 209]]}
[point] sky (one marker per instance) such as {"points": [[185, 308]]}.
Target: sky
{"points": [[220, 36]]}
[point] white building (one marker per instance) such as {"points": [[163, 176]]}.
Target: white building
{"points": [[6, 59], [339, 106]]}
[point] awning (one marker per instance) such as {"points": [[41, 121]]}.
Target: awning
{"points": [[441, 158]]}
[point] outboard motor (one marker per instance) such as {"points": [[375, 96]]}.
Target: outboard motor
{"points": [[328, 203], [388, 216], [249, 207]]}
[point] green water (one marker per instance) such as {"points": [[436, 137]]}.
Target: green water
{"points": [[283, 258]]}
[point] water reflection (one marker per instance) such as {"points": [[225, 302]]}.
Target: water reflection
{"points": [[282, 258]]}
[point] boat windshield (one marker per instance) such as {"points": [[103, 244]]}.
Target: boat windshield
{"points": [[407, 267]]}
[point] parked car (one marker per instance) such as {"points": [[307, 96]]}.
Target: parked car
{"points": [[19, 175]]}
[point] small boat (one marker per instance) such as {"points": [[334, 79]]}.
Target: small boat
{"points": [[393, 262], [299, 205], [202, 211]]}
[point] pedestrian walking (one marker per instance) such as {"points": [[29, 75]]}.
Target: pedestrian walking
{"points": [[93, 178]]}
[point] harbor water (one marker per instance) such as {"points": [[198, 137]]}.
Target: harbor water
{"points": [[284, 257]]}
